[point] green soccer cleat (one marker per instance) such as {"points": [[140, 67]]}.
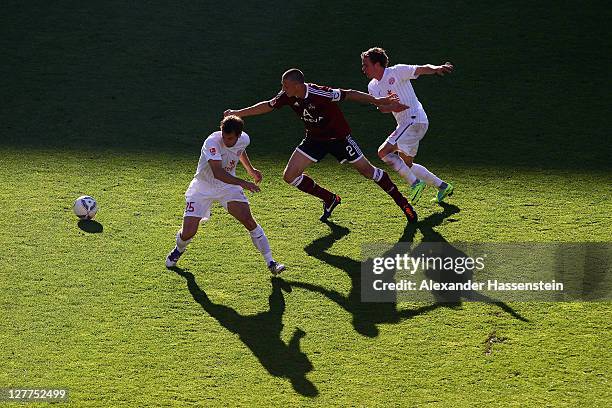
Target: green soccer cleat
{"points": [[416, 191], [442, 194]]}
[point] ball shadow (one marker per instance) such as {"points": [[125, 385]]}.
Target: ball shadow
{"points": [[90, 226]]}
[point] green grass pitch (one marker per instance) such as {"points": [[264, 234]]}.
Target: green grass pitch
{"points": [[114, 100]]}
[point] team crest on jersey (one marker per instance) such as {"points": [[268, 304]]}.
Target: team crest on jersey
{"points": [[311, 107], [391, 81], [213, 150]]}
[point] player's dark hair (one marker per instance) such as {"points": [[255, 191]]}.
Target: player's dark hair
{"points": [[376, 54], [294, 74], [232, 124]]}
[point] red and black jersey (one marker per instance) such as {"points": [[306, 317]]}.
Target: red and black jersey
{"points": [[322, 117]]}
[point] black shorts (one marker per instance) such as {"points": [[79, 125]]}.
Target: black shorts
{"points": [[342, 149]]}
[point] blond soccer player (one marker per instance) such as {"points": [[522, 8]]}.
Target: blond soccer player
{"points": [[400, 148]]}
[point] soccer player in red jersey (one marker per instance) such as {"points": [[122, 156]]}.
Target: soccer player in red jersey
{"points": [[327, 131]]}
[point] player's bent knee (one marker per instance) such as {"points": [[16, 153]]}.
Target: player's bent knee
{"points": [[384, 150], [407, 159]]}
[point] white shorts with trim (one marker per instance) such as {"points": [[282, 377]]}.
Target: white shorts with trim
{"points": [[199, 199], [407, 137]]}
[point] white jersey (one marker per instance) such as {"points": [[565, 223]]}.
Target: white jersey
{"points": [[214, 149], [396, 79]]}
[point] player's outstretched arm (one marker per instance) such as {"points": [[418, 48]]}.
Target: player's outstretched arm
{"points": [[390, 102], [252, 171], [257, 109], [429, 69], [358, 96], [385, 104], [393, 107], [222, 175]]}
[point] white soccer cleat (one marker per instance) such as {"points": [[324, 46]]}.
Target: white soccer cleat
{"points": [[173, 258], [275, 268]]}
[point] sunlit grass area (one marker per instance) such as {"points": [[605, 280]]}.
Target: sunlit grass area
{"points": [[100, 314]]}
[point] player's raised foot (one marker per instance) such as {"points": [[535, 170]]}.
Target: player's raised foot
{"points": [[410, 214], [329, 207], [275, 268], [173, 258], [416, 190], [443, 193]]}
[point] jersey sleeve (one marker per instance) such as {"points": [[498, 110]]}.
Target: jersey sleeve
{"points": [[333, 94], [280, 100], [338, 95], [212, 149], [406, 71], [245, 140], [371, 90]]}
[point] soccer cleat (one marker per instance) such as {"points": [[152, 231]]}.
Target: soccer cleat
{"points": [[410, 214], [416, 190], [173, 258], [275, 268], [442, 194], [327, 209]]}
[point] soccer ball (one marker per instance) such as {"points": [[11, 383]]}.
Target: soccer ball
{"points": [[85, 207]]}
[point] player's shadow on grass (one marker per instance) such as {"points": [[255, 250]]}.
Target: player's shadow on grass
{"points": [[366, 315], [90, 226], [261, 333], [444, 250]]}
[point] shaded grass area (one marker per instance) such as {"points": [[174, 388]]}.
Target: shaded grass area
{"points": [[529, 89], [98, 313]]}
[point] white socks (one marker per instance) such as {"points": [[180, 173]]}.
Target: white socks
{"points": [[378, 173], [180, 244], [426, 175], [261, 243], [411, 174], [257, 236], [398, 165]]}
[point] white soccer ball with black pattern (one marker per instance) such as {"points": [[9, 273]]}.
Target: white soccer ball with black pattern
{"points": [[85, 207]]}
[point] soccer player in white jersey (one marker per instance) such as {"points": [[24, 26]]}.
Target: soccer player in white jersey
{"points": [[215, 180], [400, 148]]}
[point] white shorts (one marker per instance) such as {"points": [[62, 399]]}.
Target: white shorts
{"points": [[199, 199], [407, 137]]}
